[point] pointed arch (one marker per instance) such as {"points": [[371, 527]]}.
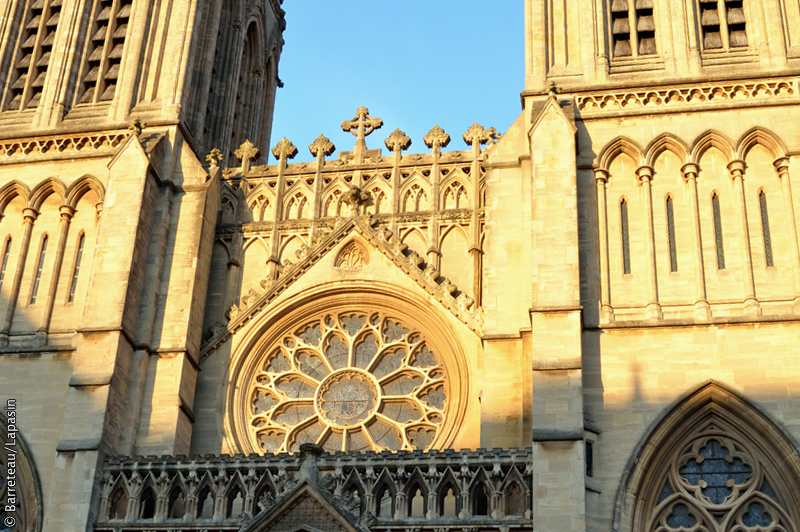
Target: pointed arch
{"points": [[712, 138], [44, 189], [662, 143], [12, 190], [617, 146], [297, 207], [711, 423], [762, 137], [81, 186], [385, 496], [414, 196]]}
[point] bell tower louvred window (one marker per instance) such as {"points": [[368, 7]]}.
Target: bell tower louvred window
{"points": [[723, 23], [104, 54], [33, 58], [633, 28]]}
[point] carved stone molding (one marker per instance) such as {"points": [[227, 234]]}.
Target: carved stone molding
{"points": [[678, 98], [46, 146]]}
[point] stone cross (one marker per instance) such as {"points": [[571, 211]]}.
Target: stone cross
{"points": [[247, 153], [361, 125]]}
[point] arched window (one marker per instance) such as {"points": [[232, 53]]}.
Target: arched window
{"points": [[118, 504], [147, 509], [718, 231], [448, 503], [177, 505], [39, 269], [76, 270], [235, 506], [673, 252], [626, 242], [762, 203], [417, 502], [6, 253], [715, 465], [480, 500], [33, 57], [205, 508], [385, 503]]}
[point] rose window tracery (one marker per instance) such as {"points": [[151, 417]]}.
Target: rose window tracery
{"points": [[349, 381], [716, 483]]}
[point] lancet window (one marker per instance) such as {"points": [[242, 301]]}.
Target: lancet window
{"points": [[723, 24], [33, 58], [762, 203], [77, 269], [626, 239], [39, 270], [104, 51], [348, 381], [633, 28], [6, 254], [718, 231], [673, 251]]}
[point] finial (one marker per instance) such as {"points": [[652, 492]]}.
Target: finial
{"points": [[137, 125], [284, 149], [361, 125], [214, 157], [436, 137], [397, 141], [476, 133], [322, 145], [552, 89]]}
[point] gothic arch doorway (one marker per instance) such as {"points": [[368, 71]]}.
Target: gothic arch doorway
{"points": [[25, 493], [715, 463]]}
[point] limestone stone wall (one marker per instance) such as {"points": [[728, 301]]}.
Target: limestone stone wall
{"points": [[585, 44]]}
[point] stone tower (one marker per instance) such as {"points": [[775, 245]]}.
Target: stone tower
{"points": [[588, 323], [104, 226]]}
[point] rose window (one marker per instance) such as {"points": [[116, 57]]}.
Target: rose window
{"points": [[350, 382]]}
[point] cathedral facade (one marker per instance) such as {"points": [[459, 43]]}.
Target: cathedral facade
{"points": [[587, 321]]}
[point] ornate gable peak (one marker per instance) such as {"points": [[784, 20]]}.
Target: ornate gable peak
{"points": [[409, 261]]}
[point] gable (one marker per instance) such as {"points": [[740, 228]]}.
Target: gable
{"points": [[305, 508], [387, 261]]}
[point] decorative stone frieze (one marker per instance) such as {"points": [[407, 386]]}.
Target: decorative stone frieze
{"points": [[434, 491], [46, 146], [680, 97]]}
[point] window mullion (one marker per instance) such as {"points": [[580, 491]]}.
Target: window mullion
{"points": [[101, 74], [634, 30], [722, 9]]}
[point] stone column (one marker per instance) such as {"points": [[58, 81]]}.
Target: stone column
{"points": [[782, 167], [751, 305], [606, 310], [28, 218], [653, 311], [63, 230], [702, 311]]}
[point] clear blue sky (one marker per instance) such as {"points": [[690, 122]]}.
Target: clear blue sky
{"points": [[413, 63]]}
